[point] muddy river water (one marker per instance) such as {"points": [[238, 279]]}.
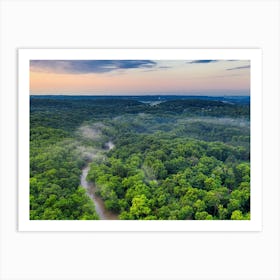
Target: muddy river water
{"points": [[102, 212]]}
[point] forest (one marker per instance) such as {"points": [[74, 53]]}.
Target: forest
{"points": [[170, 158]]}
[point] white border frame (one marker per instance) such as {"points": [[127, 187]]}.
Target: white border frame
{"points": [[254, 55]]}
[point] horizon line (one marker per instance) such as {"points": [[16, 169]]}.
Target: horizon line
{"points": [[139, 95]]}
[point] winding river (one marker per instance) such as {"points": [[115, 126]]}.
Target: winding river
{"points": [[102, 212]]}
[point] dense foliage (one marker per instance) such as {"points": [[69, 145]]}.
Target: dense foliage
{"points": [[55, 169], [179, 159]]}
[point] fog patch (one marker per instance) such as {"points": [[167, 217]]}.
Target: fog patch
{"points": [[89, 153], [152, 103], [219, 121], [109, 145], [92, 132]]}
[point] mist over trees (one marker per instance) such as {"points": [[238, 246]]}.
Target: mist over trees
{"points": [[174, 160]]}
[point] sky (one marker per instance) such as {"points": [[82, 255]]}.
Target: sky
{"points": [[140, 77]]}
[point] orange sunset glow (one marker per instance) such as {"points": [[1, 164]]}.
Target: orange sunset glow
{"points": [[122, 77]]}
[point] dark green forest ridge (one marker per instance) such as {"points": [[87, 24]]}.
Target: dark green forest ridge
{"points": [[179, 159]]}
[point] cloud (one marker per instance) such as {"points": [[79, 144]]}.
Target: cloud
{"points": [[239, 67], [87, 66], [157, 68], [201, 61]]}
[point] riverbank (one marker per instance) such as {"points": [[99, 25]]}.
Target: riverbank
{"points": [[102, 212]]}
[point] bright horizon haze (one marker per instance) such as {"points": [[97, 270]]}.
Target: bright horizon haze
{"points": [[140, 77]]}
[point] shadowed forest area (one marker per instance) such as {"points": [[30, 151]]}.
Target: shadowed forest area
{"points": [[149, 157]]}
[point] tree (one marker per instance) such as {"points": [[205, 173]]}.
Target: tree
{"points": [[212, 200], [234, 204], [222, 212], [212, 183], [203, 216], [199, 206], [236, 215], [140, 207]]}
